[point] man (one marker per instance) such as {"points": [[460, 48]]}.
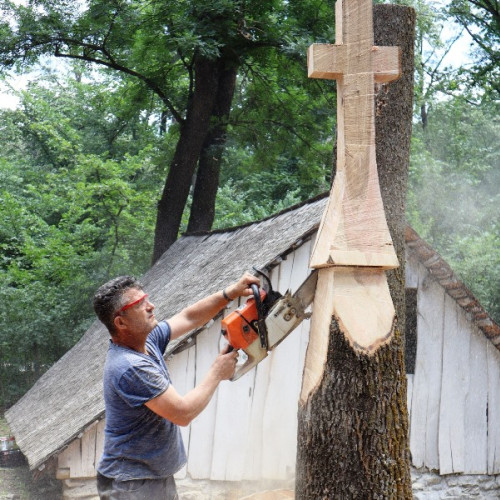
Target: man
{"points": [[143, 448]]}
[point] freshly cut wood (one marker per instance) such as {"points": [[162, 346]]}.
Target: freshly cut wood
{"points": [[353, 230], [270, 495], [358, 299], [352, 413]]}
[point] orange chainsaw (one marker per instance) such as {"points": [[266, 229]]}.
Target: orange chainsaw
{"points": [[265, 320]]}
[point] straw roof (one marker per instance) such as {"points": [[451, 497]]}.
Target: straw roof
{"points": [[68, 397]]}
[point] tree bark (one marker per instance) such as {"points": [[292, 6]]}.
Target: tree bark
{"points": [[353, 430], [192, 136], [207, 177], [394, 26]]}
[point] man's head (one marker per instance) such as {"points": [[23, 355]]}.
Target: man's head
{"points": [[111, 297]]}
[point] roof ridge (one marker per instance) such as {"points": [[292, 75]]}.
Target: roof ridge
{"points": [[452, 284]]}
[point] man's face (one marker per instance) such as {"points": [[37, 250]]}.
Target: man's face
{"points": [[137, 313]]}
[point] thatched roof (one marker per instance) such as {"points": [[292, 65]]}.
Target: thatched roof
{"points": [[439, 269], [68, 398]]}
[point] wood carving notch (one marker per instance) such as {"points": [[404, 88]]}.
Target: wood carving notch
{"points": [[353, 247]]}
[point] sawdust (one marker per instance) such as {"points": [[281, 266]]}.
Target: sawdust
{"points": [[271, 495]]}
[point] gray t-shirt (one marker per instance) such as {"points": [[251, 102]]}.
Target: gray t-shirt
{"points": [[138, 443]]}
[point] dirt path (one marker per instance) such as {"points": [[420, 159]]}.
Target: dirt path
{"points": [[16, 483]]}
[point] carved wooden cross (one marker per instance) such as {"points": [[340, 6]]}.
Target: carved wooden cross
{"points": [[353, 230], [353, 247]]}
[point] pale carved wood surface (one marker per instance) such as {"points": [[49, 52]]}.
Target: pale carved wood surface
{"points": [[353, 230]]}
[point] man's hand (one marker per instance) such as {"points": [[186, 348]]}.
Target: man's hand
{"points": [[225, 364], [242, 288]]}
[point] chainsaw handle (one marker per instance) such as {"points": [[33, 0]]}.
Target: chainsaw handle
{"points": [[261, 323]]}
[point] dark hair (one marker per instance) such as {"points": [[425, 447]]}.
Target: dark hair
{"points": [[108, 299]]}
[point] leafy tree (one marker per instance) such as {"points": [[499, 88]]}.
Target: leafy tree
{"points": [[481, 20], [186, 56], [453, 197], [68, 221]]}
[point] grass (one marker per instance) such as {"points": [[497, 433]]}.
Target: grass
{"points": [[4, 428]]}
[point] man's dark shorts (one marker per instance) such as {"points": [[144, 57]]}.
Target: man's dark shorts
{"points": [[136, 489]]}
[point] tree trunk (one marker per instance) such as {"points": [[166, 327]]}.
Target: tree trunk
{"points": [[353, 429], [192, 136], [394, 26], [207, 177]]}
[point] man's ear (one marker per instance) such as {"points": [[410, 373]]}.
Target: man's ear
{"points": [[119, 323]]}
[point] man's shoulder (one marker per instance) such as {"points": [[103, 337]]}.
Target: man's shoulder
{"points": [[160, 335], [121, 359]]}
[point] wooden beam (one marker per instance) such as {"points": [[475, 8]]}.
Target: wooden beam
{"points": [[328, 62], [353, 230]]}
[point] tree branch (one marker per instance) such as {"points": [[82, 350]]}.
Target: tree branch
{"points": [[111, 63]]}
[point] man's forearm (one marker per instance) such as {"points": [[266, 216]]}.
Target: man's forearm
{"points": [[181, 410], [204, 310], [197, 314]]}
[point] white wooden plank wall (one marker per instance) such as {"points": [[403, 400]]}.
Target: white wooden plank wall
{"points": [[81, 457], [427, 379], [454, 388], [493, 357], [454, 404]]}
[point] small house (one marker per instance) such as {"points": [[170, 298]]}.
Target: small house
{"points": [[248, 431]]}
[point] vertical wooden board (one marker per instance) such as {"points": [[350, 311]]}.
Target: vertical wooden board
{"points": [[70, 458], [428, 370], [280, 414], [303, 329], [182, 371], [454, 388], [476, 405], [99, 448], [88, 445], [257, 441], [409, 393], [202, 428], [231, 428], [411, 272], [493, 409]]}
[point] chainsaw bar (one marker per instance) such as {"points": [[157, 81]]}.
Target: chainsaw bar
{"points": [[305, 293], [289, 311]]}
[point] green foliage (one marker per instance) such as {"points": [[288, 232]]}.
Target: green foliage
{"points": [[481, 20], [68, 222], [254, 199], [453, 198]]}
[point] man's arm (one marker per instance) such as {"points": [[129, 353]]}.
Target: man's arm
{"points": [[181, 410], [205, 309]]}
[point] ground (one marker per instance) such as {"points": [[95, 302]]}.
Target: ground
{"points": [[17, 483]]}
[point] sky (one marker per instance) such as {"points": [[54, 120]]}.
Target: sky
{"points": [[456, 57]]}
